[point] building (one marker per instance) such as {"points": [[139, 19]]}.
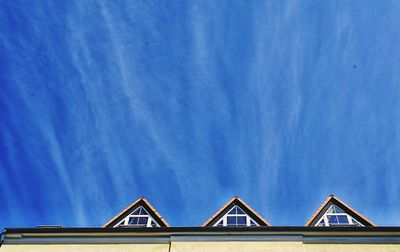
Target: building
{"points": [[335, 226]]}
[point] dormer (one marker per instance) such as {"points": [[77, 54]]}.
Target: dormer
{"points": [[236, 213], [335, 213], [140, 214]]}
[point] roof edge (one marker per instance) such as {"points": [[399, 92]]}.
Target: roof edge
{"points": [[168, 230]]}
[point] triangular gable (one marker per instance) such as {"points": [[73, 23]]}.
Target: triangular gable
{"points": [[236, 207], [334, 212], [135, 216]]}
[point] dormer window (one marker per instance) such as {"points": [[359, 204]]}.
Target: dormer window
{"points": [[139, 214], [236, 213], [335, 213], [337, 217], [138, 218], [236, 217]]}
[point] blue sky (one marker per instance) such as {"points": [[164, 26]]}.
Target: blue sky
{"points": [[189, 103]]}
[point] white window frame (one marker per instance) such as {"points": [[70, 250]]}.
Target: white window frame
{"points": [[224, 219], [325, 220], [125, 221]]}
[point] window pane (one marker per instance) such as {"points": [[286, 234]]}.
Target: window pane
{"points": [[343, 219], [133, 220], [137, 211], [240, 211], [144, 212], [153, 224], [141, 211], [337, 210], [220, 224], [233, 211], [252, 223], [332, 219], [241, 221], [231, 221], [143, 220]]}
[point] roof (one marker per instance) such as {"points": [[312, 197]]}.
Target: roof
{"points": [[236, 201], [332, 199], [140, 202]]}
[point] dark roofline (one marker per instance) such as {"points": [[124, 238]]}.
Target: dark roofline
{"points": [[205, 230], [167, 235]]}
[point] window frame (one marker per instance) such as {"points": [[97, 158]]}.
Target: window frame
{"points": [[326, 223], [125, 221], [224, 219]]}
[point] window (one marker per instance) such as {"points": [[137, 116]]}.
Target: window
{"points": [[138, 218], [337, 217], [236, 217]]}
